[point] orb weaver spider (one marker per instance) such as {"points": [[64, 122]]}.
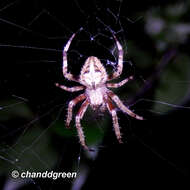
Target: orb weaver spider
{"points": [[94, 80]]}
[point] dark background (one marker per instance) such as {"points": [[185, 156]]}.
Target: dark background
{"points": [[155, 37]]}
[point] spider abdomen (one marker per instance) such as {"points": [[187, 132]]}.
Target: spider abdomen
{"points": [[96, 96]]}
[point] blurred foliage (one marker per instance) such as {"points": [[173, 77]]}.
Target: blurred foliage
{"points": [[173, 86], [167, 25], [168, 29], [29, 145], [14, 108]]}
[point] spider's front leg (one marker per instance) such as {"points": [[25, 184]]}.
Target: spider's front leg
{"points": [[66, 74], [112, 111], [119, 68], [119, 103], [72, 103], [79, 116]]}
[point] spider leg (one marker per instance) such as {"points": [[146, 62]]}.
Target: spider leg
{"points": [[72, 103], [66, 74], [112, 111], [70, 89], [79, 116], [117, 85], [119, 103], [119, 69]]}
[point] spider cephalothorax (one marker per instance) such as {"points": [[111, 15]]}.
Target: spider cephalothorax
{"points": [[93, 73], [94, 80]]}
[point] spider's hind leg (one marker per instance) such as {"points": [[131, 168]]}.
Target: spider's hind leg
{"points": [[72, 103], [112, 111], [121, 106], [79, 116]]}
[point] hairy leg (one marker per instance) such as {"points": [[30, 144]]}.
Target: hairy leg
{"points": [[72, 103], [119, 103], [66, 74], [79, 116], [112, 111], [119, 69], [117, 85], [70, 89]]}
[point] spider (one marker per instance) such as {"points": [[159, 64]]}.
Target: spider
{"points": [[93, 80]]}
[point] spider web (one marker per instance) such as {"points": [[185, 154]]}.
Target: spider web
{"points": [[33, 135]]}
